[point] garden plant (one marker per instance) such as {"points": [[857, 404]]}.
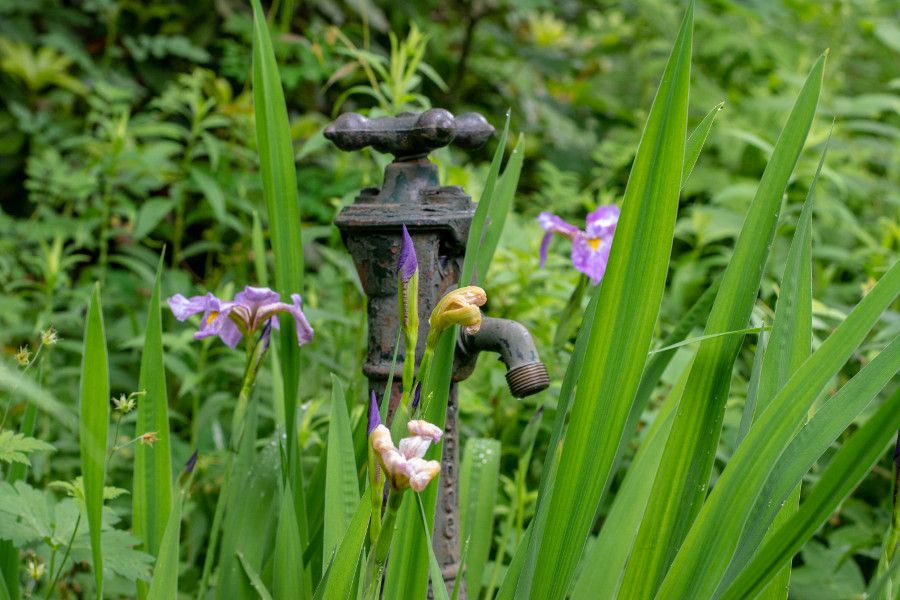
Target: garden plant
{"points": [[692, 206]]}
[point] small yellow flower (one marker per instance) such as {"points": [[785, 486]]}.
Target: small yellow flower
{"points": [[23, 356], [49, 336], [123, 404], [149, 438]]}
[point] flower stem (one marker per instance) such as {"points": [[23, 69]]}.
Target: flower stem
{"points": [[378, 557]]}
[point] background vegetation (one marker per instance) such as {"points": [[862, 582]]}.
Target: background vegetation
{"points": [[126, 126]]}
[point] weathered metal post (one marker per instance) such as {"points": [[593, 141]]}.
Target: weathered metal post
{"points": [[438, 219]]}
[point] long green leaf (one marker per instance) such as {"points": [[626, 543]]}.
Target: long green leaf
{"points": [[710, 544], [279, 179], [288, 568], [338, 583], [152, 497], [605, 561], [629, 301], [788, 346], [94, 428], [438, 589], [847, 468], [500, 204], [695, 142], [480, 221], [164, 584], [680, 486], [478, 477], [341, 486]]}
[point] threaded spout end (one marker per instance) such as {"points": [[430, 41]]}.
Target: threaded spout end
{"points": [[528, 379]]}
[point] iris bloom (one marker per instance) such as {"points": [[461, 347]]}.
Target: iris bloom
{"points": [[405, 466], [251, 310], [590, 248]]}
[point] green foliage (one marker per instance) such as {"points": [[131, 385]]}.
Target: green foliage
{"points": [[128, 127]]}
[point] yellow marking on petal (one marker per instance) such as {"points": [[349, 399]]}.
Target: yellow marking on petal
{"points": [[212, 317], [594, 243]]}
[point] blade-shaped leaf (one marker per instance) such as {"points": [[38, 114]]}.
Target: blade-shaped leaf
{"points": [[341, 486], [629, 301], [94, 427], [152, 496], [696, 140], [710, 544], [478, 477], [847, 468], [338, 581], [165, 574], [680, 485], [288, 569]]}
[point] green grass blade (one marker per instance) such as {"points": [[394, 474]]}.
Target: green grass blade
{"points": [[164, 584], [847, 468], [478, 477], [255, 580], [288, 569], [480, 222], [829, 421], [341, 486], [708, 548], [259, 252], [439, 590], [338, 583], [629, 301], [279, 179], [94, 428], [152, 497], [788, 345], [680, 486], [500, 203], [695, 142], [605, 561]]}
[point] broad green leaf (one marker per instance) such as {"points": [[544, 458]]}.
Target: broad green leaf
{"points": [[341, 485], [207, 184], [710, 544], [478, 477], [605, 561], [695, 142], [481, 224], [844, 472], [288, 569], [681, 484], [787, 347], [253, 576], [629, 301], [152, 497], [279, 179], [14, 447], [93, 428], [438, 589], [500, 203], [338, 582], [164, 584]]}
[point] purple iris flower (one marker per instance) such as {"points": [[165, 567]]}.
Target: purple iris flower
{"points": [[374, 413], [251, 310], [590, 248], [407, 263]]}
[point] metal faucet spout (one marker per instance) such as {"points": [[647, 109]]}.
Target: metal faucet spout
{"points": [[525, 373]]}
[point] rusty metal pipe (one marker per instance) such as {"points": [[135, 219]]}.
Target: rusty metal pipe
{"points": [[525, 373]]}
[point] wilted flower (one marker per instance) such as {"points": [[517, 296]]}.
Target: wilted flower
{"points": [[459, 307], [405, 466], [149, 438], [590, 248], [23, 356], [249, 312], [49, 336]]}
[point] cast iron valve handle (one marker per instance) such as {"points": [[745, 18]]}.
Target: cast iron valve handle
{"points": [[409, 135]]}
